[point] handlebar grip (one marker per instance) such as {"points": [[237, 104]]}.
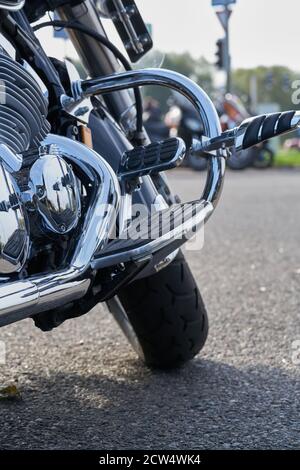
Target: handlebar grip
{"points": [[264, 127]]}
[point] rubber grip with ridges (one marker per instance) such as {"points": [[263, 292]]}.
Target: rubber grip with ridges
{"points": [[268, 130], [285, 121], [252, 132]]}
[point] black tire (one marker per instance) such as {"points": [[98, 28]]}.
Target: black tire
{"points": [[264, 159], [167, 314], [241, 160], [197, 163]]}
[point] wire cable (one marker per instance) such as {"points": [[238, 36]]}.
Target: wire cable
{"points": [[107, 43]]}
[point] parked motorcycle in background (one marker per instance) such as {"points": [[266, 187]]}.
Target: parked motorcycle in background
{"points": [[183, 121], [232, 113], [153, 121]]}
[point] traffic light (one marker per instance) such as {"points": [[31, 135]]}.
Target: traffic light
{"points": [[269, 80], [286, 83], [221, 54]]}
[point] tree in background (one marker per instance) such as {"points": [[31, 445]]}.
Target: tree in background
{"points": [[198, 70], [274, 85]]}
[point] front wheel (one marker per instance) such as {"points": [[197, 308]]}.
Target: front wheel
{"points": [[164, 316]]}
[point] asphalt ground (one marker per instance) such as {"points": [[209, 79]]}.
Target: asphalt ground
{"points": [[82, 386]]}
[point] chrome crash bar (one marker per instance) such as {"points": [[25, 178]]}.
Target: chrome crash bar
{"points": [[202, 103], [24, 298]]}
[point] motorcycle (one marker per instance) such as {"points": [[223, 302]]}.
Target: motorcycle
{"points": [[153, 121], [261, 156], [183, 120], [75, 162]]}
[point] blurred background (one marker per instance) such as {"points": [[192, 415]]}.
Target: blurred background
{"points": [[243, 53]]}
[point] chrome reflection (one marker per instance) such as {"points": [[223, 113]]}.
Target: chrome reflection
{"points": [[185, 86], [55, 193], [41, 293], [12, 5], [14, 237]]}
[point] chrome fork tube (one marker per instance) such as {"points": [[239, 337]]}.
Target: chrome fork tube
{"points": [[185, 86], [25, 298]]}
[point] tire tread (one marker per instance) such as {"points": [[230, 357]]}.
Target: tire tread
{"points": [[168, 315]]}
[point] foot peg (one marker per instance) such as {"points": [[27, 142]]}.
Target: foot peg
{"points": [[152, 158], [167, 229]]}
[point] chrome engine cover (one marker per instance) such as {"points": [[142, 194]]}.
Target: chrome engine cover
{"points": [[39, 192], [55, 193], [14, 235]]}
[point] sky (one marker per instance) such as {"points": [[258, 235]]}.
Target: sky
{"points": [[263, 32]]}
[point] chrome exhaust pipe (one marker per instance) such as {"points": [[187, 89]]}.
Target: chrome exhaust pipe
{"points": [[22, 299]]}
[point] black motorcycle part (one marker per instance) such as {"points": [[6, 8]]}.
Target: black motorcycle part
{"points": [[167, 314], [137, 24], [251, 136], [105, 42], [241, 160], [152, 158], [105, 286], [23, 122], [35, 9], [111, 143], [196, 162], [267, 126], [264, 158]]}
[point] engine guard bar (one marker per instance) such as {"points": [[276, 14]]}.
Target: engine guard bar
{"points": [[26, 297], [185, 86]]}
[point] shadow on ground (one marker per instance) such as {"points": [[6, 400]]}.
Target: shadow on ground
{"points": [[204, 405]]}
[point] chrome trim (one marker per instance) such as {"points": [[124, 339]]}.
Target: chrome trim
{"points": [[98, 224], [97, 59], [20, 4], [55, 193], [185, 86], [81, 110], [296, 120], [126, 174], [125, 214], [160, 203], [25, 298], [14, 232], [166, 261], [181, 232], [240, 133], [36, 77], [12, 161]]}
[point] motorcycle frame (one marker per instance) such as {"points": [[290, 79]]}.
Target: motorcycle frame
{"points": [[121, 103]]}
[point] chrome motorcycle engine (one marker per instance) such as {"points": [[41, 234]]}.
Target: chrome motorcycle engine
{"points": [[43, 197], [14, 237], [55, 193]]}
